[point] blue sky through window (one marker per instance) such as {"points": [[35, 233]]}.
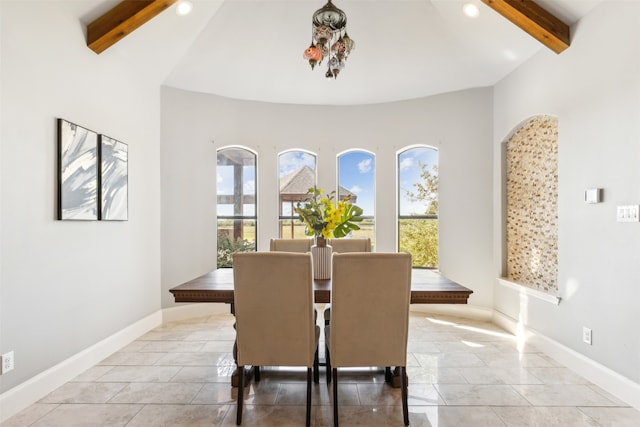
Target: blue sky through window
{"points": [[356, 173], [225, 184], [409, 173]]}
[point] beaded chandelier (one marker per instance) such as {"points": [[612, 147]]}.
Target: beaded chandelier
{"points": [[329, 40]]}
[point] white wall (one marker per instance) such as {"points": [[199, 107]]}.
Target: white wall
{"points": [[194, 126], [594, 90], [66, 285]]}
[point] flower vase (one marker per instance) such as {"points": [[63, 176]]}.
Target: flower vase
{"points": [[321, 253]]}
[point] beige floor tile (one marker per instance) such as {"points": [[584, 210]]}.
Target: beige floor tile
{"points": [[557, 375], [481, 395], [613, 417], [171, 393], [456, 416], [209, 374], [88, 415], [563, 395], [180, 416], [30, 415], [196, 359], [172, 346], [149, 374], [270, 416], [461, 373], [373, 416], [544, 416], [489, 375], [75, 392]]}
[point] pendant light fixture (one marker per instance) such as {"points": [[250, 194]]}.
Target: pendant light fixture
{"points": [[329, 39]]}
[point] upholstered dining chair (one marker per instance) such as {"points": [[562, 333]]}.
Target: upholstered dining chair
{"points": [[370, 297], [344, 246], [273, 306], [290, 245], [295, 245], [350, 245]]}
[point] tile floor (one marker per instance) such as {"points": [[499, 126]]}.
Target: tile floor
{"points": [[461, 373]]}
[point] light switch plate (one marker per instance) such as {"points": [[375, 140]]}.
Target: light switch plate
{"points": [[593, 195], [628, 213]]}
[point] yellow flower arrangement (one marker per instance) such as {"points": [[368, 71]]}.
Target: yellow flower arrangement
{"points": [[324, 218]]}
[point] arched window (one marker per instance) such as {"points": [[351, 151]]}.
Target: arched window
{"points": [[418, 205], [296, 174], [236, 202], [356, 178]]}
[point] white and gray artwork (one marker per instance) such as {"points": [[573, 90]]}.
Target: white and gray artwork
{"points": [[114, 179], [78, 179]]}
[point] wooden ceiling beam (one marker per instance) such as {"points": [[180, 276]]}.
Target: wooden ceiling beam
{"points": [[121, 21], [532, 18]]}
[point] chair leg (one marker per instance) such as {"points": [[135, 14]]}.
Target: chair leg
{"points": [[308, 397], [316, 367], [256, 373], [328, 363], [405, 406], [335, 397], [240, 395], [388, 376]]}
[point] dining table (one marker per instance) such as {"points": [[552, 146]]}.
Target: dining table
{"points": [[427, 287]]}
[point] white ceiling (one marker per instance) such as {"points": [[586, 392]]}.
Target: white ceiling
{"points": [[252, 50]]}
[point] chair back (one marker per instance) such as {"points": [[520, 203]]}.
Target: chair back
{"points": [[290, 245], [350, 245], [273, 306], [370, 297]]}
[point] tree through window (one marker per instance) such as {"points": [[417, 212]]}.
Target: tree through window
{"points": [[418, 205]]}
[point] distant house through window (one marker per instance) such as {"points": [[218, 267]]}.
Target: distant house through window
{"points": [[236, 203], [418, 205], [297, 173], [356, 178]]}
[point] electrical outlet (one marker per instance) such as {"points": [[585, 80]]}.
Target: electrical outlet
{"points": [[586, 335], [7, 362]]}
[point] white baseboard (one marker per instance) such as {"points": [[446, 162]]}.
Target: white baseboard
{"points": [[605, 378], [35, 388]]}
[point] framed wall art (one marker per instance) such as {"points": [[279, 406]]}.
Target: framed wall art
{"points": [[77, 172], [113, 179]]}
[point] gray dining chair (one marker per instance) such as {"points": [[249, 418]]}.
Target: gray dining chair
{"points": [[370, 297], [273, 306]]}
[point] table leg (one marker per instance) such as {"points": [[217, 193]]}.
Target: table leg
{"points": [[235, 375]]}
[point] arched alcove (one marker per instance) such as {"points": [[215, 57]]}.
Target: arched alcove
{"points": [[532, 204]]}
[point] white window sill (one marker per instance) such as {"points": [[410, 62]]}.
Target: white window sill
{"points": [[530, 292]]}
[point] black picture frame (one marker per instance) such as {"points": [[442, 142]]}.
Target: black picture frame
{"points": [[77, 172], [113, 179]]}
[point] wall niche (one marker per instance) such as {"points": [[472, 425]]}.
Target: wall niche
{"points": [[532, 204]]}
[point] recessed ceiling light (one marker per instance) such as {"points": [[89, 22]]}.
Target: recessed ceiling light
{"points": [[184, 7], [471, 10]]}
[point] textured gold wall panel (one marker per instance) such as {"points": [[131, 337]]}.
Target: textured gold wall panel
{"points": [[532, 205]]}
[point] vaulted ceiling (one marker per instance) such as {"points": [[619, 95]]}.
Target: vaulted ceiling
{"points": [[404, 48]]}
